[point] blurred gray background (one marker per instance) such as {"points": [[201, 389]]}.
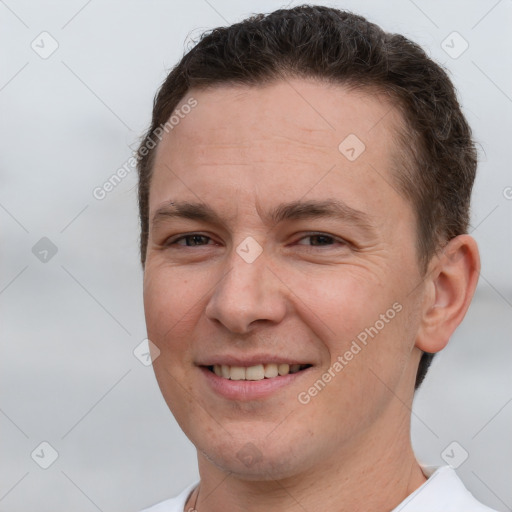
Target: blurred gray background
{"points": [[70, 280]]}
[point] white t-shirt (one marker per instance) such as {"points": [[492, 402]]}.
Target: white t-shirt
{"points": [[442, 492]]}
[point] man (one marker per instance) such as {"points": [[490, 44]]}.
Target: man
{"points": [[304, 195]]}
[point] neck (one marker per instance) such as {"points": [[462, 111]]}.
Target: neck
{"points": [[378, 475]]}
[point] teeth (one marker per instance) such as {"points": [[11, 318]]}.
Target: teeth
{"points": [[237, 373], [271, 370], [225, 371], [283, 369], [257, 372]]}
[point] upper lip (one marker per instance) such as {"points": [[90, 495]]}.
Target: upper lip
{"points": [[246, 361]]}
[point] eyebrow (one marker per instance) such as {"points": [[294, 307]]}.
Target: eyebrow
{"points": [[294, 210]]}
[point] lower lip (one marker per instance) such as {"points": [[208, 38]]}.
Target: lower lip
{"points": [[245, 390]]}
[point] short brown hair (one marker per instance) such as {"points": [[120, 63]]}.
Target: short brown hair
{"points": [[437, 164]]}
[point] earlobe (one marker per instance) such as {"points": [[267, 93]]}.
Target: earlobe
{"points": [[451, 283]]}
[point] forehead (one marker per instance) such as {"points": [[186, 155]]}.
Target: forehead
{"points": [[282, 134], [301, 107]]}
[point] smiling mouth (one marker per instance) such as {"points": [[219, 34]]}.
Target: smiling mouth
{"points": [[256, 372]]}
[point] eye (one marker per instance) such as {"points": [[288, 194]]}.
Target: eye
{"points": [[320, 240], [191, 240]]}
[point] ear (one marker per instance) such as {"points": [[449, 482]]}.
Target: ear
{"points": [[450, 285]]}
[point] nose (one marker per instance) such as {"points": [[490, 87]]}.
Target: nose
{"points": [[247, 295]]}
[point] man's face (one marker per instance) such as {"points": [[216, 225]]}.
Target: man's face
{"points": [[257, 280]]}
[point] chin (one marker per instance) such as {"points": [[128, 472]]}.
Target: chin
{"points": [[256, 460]]}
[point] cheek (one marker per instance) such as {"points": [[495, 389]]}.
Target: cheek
{"points": [[341, 303], [170, 305], [171, 302], [362, 322]]}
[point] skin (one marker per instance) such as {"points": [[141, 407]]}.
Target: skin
{"points": [[243, 151]]}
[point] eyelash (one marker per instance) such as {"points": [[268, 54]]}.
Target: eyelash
{"points": [[172, 242]]}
